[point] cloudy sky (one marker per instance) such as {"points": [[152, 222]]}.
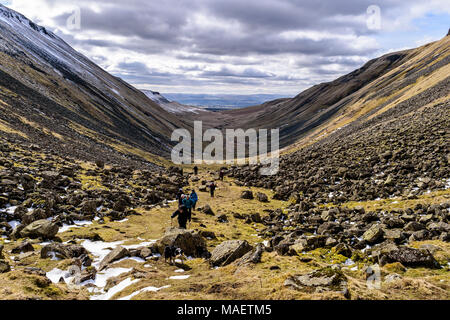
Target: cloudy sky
{"points": [[236, 46]]}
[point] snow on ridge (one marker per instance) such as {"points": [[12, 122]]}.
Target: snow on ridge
{"points": [[169, 106]]}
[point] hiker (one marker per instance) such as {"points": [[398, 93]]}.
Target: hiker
{"points": [[194, 198], [196, 170], [212, 189], [221, 175], [182, 215], [180, 195], [188, 203]]}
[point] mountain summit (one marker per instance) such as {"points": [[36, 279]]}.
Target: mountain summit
{"points": [[55, 96]]}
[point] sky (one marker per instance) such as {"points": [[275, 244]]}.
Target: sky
{"points": [[234, 46]]}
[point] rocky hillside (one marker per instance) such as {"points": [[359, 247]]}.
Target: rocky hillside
{"points": [[52, 95], [364, 93]]}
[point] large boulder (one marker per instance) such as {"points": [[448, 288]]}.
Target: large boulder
{"points": [[309, 243], [374, 234], [61, 251], [23, 248], [409, 257], [228, 252], [207, 210], [262, 197], [327, 279], [191, 242], [252, 257], [4, 266], [247, 195], [40, 229], [117, 254]]}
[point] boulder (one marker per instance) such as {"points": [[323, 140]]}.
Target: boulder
{"points": [[248, 195], [4, 266], [374, 234], [22, 248], [327, 279], [40, 229], [89, 207], [207, 210], [414, 226], [329, 228], [192, 243], [410, 257], [120, 205], [309, 243], [62, 251], [228, 252], [34, 215], [117, 254], [262, 197], [252, 257]]}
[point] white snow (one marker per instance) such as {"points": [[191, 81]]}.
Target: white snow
{"points": [[179, 271], [78, 224], [14, 223], [102, 277], [56, 274], [143, 244], [349, 262], [99, 249], [137, 259], [148, 289], [114, 290]]}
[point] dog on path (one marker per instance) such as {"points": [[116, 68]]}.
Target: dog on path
{"points": [[172, 253]]}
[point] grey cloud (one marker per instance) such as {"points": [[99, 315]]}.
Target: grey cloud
{"points": [[241, 29]]}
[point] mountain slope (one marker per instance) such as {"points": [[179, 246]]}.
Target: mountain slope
{"points": [[52, 94], [380, 81], [389, 139]]}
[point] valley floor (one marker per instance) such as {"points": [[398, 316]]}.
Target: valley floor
{"points": [[135, 278]]}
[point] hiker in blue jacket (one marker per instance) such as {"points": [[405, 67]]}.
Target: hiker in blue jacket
{"points": [[188, 203], [194, 198]]}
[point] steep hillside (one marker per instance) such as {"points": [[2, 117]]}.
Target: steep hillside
{"points": [[381, 83], [388, 139], [55, 96]]}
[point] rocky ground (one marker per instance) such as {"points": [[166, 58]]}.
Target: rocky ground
{"points": [[77, 230]]}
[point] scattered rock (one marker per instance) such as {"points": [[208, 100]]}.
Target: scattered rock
{"points": [[192, 243], [22, 248], [40, 229], [228, 252], [262, 197], [4, 266], [207, 210], [374, 234], [117, 254], [327, 279], [410, 257], [248, 195]]}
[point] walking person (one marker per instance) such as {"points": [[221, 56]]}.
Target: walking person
{"points": [[180, 195], [221, 175], [188, 203], [196, 170], [212, 189], [182, 215], [194, 198]]}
